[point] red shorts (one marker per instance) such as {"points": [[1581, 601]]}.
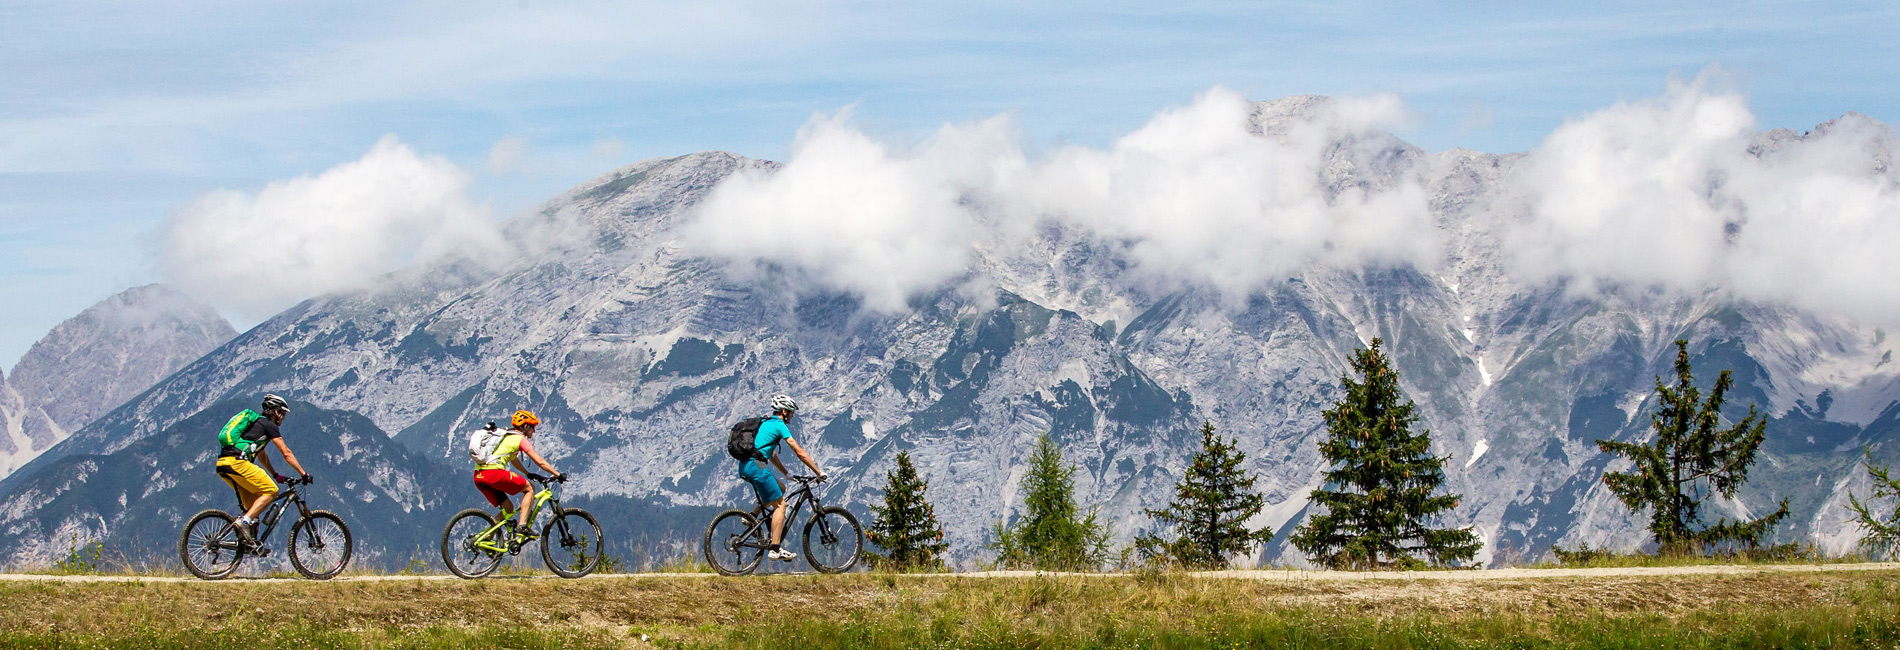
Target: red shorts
{"points": [[497, 484]]}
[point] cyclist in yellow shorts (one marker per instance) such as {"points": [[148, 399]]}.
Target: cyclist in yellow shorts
{"points": [[239, 444]]}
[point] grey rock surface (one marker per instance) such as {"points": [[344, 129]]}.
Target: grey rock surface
{"points": [[113, 350]]}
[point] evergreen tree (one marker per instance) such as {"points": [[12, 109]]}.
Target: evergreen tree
{"points": [[906, 526], [1384, 476], [1882, 538], [1052, 534], [1210, 509], [1689, 457]]}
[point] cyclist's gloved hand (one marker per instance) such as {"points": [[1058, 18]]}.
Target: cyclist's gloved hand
{"points": [[280, 478], [822, 477], [560, 477], [307, 479]]}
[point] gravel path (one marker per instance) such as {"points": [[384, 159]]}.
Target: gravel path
{"points": [[1286, 575]]}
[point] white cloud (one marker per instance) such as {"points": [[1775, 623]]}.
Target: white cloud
{"points": [[1192, 196], [256, 254], [1679, 191], [506, 153], [847, 210]]}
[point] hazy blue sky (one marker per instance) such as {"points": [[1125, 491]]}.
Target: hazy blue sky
{"points": [[112, 114]]}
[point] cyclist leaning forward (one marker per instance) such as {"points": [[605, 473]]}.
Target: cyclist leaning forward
{"points": [[242, 441], [764, 483], [497, 483]]}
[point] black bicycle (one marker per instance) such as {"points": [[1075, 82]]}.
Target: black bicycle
{"points": [[737, 539], [475, 543], [319, 545]]}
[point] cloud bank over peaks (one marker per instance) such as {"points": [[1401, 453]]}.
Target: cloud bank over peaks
{"points": [[257, 254], [1200, 194], [1680, 191]]}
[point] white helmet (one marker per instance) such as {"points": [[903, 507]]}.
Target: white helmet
{"points": [[784, 403]]}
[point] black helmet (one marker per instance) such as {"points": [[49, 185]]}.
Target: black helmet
{"points": [[274, 403]]}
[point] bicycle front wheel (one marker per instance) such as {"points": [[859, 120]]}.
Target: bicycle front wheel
{"points": [[320, 545], [467, 542], [833, 540], [209, 546], [733, 545], [571, 543]]}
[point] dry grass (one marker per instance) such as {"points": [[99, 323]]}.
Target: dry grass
{"points": [[890, 611]]}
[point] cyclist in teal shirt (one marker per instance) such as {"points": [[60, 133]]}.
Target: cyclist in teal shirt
{"points": [[766, 485]]}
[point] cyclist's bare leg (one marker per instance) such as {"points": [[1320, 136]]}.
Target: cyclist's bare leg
{"points": [[258, 506], [522, 511], [778, 520]]}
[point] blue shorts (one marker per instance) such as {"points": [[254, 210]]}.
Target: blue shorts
{"points": [[764, 484]]}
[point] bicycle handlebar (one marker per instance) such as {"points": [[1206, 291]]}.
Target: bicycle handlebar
{"points": [[557, 478], [810, 479]]}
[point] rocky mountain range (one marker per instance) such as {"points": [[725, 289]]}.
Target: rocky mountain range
{"points": [[638, 353], [97, 360]]}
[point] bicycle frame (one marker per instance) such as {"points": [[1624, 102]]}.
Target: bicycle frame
{"points": [[486, 540], [274, 513], [796, 500]]}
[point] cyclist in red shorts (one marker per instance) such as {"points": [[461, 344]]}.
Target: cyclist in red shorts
{"points": [[497, 483]]}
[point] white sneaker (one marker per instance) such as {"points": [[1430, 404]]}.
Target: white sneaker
{"points": [[781, 555]]}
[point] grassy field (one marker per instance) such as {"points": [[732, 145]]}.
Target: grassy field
{"points": [[1821, 610]]}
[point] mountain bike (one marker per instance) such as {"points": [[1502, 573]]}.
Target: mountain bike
{"points": [[474, 543], [736, 540], [319, 546]]}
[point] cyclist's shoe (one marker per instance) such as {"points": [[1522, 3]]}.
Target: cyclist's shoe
{"points": [[245, 539], [781, 555], [262, 551], [524, 533]]}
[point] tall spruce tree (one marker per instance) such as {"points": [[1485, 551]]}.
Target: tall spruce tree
{"points": [[1880, 532], [1210, 509], [1052, 534], [1690, 458], [1383, 477], [906, 525]]}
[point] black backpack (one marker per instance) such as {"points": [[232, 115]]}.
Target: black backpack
{"points": [[739, 442]]}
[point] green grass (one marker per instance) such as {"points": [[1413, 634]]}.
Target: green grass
{"points": [[316, 638], [1826, 609]]}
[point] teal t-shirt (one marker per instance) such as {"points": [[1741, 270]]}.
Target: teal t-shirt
{"points": [[771, 431]]}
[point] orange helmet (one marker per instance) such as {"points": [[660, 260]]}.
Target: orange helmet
{"points": [[524, 418]]}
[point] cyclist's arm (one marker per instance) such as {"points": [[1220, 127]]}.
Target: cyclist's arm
{"points": [[801, 456], [527, 447], [263, 460], [288, 457]]}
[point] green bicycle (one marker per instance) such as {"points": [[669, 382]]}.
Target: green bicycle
{"points": [[474, 544]]}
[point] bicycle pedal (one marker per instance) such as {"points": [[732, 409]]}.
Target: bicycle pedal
{"points": [[262, 551]]}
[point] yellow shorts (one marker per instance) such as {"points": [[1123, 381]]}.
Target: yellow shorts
{"points": [[249, 480]]}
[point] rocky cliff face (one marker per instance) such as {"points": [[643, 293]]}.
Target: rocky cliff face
{"points": [[637, 354], [116, 349], [25, 430]]}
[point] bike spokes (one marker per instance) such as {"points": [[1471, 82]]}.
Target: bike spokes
{"points": [[571, 544], [734, 543]]}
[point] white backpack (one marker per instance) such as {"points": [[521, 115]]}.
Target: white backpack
{"points": [[482, 444]]}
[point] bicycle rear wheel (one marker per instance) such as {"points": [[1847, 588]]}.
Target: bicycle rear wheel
{"points": [[209, 546], [833, 540], [571, 543], [459, 544], [320, 545], [732, 544]]}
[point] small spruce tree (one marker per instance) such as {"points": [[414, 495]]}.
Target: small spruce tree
{"points": [[1882, 531], [1383, 477], [906, 527], [1052, 534], [1210, 509], [1690, 456]]}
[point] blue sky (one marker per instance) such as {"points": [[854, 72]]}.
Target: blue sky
{"points": [[113, 114]]}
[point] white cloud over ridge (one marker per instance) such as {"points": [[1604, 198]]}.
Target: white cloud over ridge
{"points": [[256, 254], [1193, 195], [1678, 191]]}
